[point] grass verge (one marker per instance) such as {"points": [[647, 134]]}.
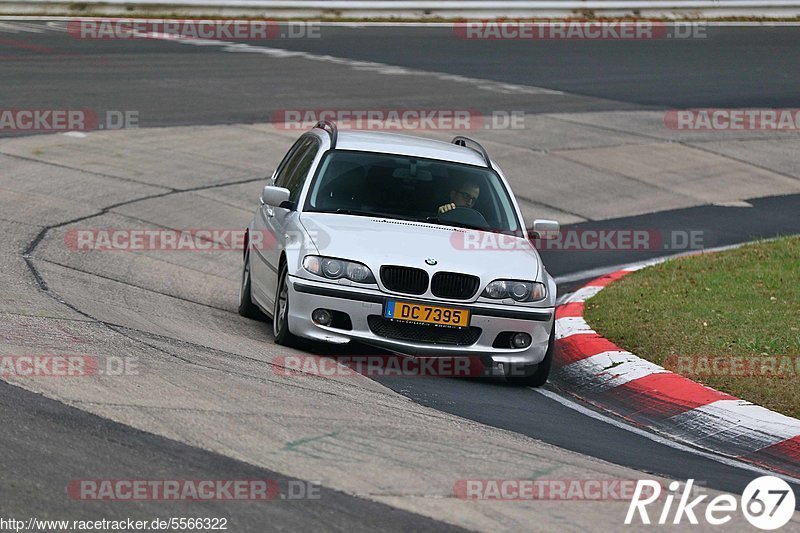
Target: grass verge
{"points": [[730, 320]]}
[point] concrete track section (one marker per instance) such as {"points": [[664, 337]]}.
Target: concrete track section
{"points": [[210, 379]]}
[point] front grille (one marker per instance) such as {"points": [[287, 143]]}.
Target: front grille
{"points": [[404, 279], [454, 285], [423, 333]]}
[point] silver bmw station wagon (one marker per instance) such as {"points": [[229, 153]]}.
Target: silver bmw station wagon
{"points": [[404, 243]]}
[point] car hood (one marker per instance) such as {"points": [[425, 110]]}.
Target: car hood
{"points": [[379, 241]]}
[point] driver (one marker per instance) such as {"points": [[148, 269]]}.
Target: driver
{"points": [[465, 194]]}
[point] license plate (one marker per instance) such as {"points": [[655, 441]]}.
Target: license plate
{"points": [[427, 314]]}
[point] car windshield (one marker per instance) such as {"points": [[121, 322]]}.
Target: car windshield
{"points": [[412, 188]]}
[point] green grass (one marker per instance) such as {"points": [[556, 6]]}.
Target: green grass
{"points": [[742, 302]]}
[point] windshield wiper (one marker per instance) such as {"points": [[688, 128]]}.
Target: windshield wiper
{"points": [[429, 220], [356, 212], [452, 223], [359, 213]]}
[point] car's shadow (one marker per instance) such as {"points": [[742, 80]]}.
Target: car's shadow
{"points": [[399, 371]]}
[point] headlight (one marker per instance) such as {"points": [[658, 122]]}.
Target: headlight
{"points": [[521, 291], [331, 268]]}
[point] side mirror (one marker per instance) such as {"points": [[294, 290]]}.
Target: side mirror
{"points": [[545, 229], [274, 196]]}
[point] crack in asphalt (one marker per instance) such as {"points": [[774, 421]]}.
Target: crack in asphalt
{"points": [[146, 289], [27, 256], [91, 172], [707, 150]]}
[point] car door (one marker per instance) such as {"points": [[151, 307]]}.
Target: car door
{"points": [[273, 221]]}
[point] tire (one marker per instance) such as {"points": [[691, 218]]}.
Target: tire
{"points": [[246, 306], [280, 313], [538, 377]]}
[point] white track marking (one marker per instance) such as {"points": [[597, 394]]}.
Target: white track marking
{"points": [[607, 370], [572, 325], [727, 420], [380, 68], [584, 293], [17, 27], [368, 66], [57, 25], [658, 439]]}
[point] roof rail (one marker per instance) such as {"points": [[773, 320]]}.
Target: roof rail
{"points": [[330, 127], [460, 140]]}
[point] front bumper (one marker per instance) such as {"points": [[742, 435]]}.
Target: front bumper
{"points": [[305, 296]]}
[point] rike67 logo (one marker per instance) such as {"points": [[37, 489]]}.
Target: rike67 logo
{"points": [[767, 502]]}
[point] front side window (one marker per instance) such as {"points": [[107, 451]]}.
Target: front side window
{"points": [[411, 188], [294, 170], [289, 161], [297, 176], [297, 153]]}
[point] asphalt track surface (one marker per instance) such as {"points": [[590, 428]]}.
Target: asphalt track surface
{"points": [[47, 444], [173, 85], [179, 85]]}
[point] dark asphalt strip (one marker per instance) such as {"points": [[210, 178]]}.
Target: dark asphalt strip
{"points": [[672, 232], [722, 66], [47, 444], [171, 84], [521, 410]]}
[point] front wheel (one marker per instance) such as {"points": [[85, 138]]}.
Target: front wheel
{"points": [[246, 306], [538, 377], [280, 314]]}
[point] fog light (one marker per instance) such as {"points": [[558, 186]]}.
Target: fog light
{"points": [[520, 340], [323, 317]]}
